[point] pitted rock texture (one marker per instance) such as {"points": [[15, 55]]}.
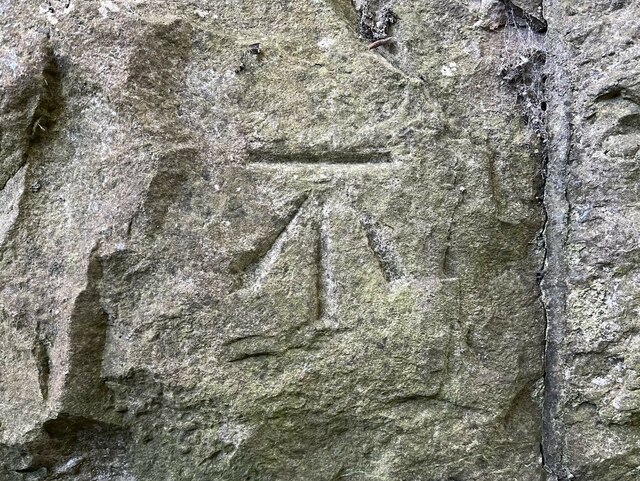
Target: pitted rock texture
{"points": [[238, 244]]}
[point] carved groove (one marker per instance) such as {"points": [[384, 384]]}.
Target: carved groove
{"points": [[320, 287], [448, 267], [328, 295], [250, 346], [40, 353], [164, 190], [258, 271], [244, 356], [329, 158], [249, 261], [387, 259]]}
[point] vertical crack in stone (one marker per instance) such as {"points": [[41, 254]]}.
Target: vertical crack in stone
{"points": [[555, 232], [542, 88]]}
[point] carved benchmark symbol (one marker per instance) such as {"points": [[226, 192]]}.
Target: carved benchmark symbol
{"points": [[314, 206]]}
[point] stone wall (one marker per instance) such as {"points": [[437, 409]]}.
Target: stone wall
{"points": [[319, 240]]}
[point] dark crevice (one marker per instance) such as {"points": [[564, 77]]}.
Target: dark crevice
{"points": [[412, 398], [617, 91], [532, 71], [67, 427], [536, 24], [55, 452]]}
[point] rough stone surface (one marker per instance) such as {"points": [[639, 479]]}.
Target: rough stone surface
{"points": [[236, 243], [593, 415]]}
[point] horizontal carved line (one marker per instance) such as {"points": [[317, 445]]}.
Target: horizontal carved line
{"points": [[340, 158]]}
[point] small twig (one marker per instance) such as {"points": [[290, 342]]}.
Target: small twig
{"points": [[37, 125], [378, 43]]}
